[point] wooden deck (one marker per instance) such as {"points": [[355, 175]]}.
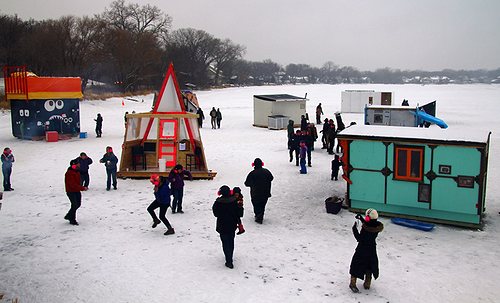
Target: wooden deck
{"points": [[141, 173]]}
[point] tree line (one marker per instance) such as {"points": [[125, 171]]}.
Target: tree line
{"points": [[130, 47]]}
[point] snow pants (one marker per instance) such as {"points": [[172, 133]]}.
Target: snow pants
{"points": [[163, 210]]}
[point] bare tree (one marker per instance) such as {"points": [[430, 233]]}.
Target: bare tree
{"points": [[329, 72], [133, 42], [69, 46], [226, 53], [12, 32], [193, 51], [137, 19]]}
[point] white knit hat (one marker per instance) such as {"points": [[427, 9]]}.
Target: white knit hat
{"points": [[372, 213]]}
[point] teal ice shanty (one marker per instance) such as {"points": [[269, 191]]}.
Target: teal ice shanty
{"points": [[427, 174]]}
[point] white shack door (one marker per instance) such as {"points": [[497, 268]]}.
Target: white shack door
{"points": [[167, 140]]}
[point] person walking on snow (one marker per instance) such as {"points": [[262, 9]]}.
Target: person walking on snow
{"points": [[295, 146], [303, 123], [73, 190], [336, 164], [7, 160], [98, 125], [290, 129], [319, 112], [364, 262], [201, 117], [213, 118], [259, 180], [228, 213], [110, 161], [162, 201], [176, 178], [303, 153], [324, 132], [85, 162], [331, 135], [219, 117]]}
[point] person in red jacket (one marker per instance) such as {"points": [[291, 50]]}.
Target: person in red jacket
{"points": [[73, 190]]}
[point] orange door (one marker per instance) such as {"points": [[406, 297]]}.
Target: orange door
{"points": [[168, 139]]}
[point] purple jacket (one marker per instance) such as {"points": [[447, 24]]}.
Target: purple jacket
{"points": [[177, 179], [303, 151]]}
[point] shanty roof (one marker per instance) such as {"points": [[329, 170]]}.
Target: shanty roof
{"points": [[279, 97], [414, 134]]}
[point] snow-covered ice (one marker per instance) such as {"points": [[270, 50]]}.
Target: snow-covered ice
{"points": [[299, 254]]}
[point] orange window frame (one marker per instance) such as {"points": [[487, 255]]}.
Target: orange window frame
{"points": [[408, 163]]}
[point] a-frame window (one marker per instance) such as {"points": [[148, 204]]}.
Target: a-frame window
{"points": [[408, 163]]}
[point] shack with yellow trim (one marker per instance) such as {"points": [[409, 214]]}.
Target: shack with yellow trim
{"points": [[41, 104]]}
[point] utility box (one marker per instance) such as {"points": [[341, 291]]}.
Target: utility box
{"points": [[277, 122]]}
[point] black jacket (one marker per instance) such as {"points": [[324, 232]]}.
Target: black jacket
{"points": [[228, 212], [259, 181], [365, 258]]}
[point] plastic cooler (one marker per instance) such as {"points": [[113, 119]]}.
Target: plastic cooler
{"points": [[51, 136]]}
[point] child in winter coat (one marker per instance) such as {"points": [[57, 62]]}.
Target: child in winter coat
{"points": [[7, 160], [303, 153], [176, 178], [237, 194], [336, 164], [162, 201]]}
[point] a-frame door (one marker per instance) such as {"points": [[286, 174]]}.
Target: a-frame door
{"points": [[167, 140]]}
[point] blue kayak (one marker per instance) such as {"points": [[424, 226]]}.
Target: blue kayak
{"points": [[413, 224]]}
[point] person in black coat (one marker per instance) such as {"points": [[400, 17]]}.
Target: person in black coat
{"points": [[303, 123], [259, 180], [98, 125], [201, 117], [293, 146], [228, 214], [364, 263], [324, 131], [336, 164], [331, 134]]}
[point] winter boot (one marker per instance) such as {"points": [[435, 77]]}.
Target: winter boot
{"points": [[169, 231], [368, 280], [156, 223], [240, 229], [352, 285]]}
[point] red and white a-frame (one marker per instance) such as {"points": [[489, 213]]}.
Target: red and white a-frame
{"points": [[168, 135]]}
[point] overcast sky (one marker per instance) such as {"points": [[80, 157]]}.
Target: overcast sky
{"points": [[366, 34]]}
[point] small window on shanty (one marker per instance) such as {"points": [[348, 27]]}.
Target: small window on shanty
{"points": [[409, 163]]}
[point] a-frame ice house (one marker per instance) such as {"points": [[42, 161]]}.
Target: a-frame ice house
{"points": [[156, 141]]}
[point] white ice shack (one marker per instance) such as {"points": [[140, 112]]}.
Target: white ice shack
{"points": [[354, 101], [265, 106]]}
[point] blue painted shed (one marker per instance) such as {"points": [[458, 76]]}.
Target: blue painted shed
{"points": [[428, 174]]}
